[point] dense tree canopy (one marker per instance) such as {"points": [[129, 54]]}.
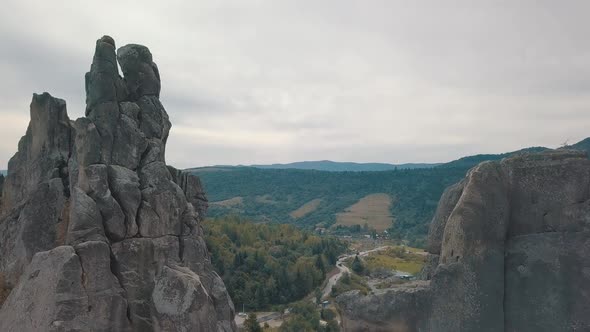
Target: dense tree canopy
{"points": [[251, 323], [269, 264], [272, 195]]}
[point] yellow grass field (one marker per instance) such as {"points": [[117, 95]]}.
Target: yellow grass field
{"points": [[399, 258], [373, 209], [306, 208]]}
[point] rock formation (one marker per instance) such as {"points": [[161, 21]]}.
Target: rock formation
{"points": [[509, 251], [400, 309], [97, 233]]}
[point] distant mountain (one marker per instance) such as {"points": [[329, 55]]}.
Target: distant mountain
{"points": [[471, 161], [403, 200], [335, 166], [583, 145], [3, 172]]}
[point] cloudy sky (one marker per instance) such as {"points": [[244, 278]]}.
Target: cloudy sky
{"points": [[349, 80]]}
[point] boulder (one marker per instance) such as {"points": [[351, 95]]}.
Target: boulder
{"points": [[402, 309], [50, 295], [141, 73]]}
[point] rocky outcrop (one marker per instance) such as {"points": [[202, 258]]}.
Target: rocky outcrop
{"points": [[96, 232], [399, 309], [516, 247], [1, 187], [509, 250]]}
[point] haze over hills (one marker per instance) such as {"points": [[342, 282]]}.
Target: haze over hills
{"points": [[335, 166], [339, 166], [313, 198]]}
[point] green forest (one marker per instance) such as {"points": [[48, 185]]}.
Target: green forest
{"points": [[273, 194], [264, 265], [415, 194]]}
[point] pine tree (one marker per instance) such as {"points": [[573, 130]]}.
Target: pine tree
{"points": [[357, 265], [319, 263], [318, 295], [251, 323]]}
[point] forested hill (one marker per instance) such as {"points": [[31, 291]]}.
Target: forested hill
{"points": [[275, 194], [269, 264], [333, 166], [403, 200]]}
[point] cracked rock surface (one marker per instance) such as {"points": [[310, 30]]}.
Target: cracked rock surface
{"points": [[97, 233]]}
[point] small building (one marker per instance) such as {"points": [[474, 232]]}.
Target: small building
{"points": [[405, 276]]}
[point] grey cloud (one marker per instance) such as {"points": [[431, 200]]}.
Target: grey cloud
{"points": [[268, 81]]}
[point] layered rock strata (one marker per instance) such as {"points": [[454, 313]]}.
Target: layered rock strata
{"points": [[97, 233]]}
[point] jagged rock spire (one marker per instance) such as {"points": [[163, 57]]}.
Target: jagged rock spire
{"points": [[118, 226]]}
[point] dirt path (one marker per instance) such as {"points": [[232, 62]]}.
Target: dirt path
{"points": [[343, 269]]}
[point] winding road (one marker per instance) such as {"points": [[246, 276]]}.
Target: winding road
{"points": [[343, 269]]}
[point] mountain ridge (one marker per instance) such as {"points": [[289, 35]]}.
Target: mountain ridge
{"points": [[350, 166], [345, 166], [275, 194]]}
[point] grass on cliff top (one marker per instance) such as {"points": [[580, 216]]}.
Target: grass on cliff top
{"points": [[397, 258], [348, 282]]}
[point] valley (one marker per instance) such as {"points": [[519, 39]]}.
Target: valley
{"points": [[295, 166], [400, 202]]}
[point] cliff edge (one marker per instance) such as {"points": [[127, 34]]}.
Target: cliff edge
{"points": [[509, 250]]}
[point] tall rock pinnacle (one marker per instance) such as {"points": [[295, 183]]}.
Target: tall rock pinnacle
{"points": [[97, 233]]}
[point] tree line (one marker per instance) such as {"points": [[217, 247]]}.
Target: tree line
{"points": [[268, 264]]}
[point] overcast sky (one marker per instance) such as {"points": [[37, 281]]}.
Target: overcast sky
{"points": [[249, 82]]}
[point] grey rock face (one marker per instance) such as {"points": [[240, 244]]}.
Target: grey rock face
{"points": [[35, 226], [192, 188], [44, 148], [141, 73], [514, 248], [509, 251], [1, 186], [124, 184], [103, 83], [448, 201], [546, 282], [134, 257], [396, 310]]}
